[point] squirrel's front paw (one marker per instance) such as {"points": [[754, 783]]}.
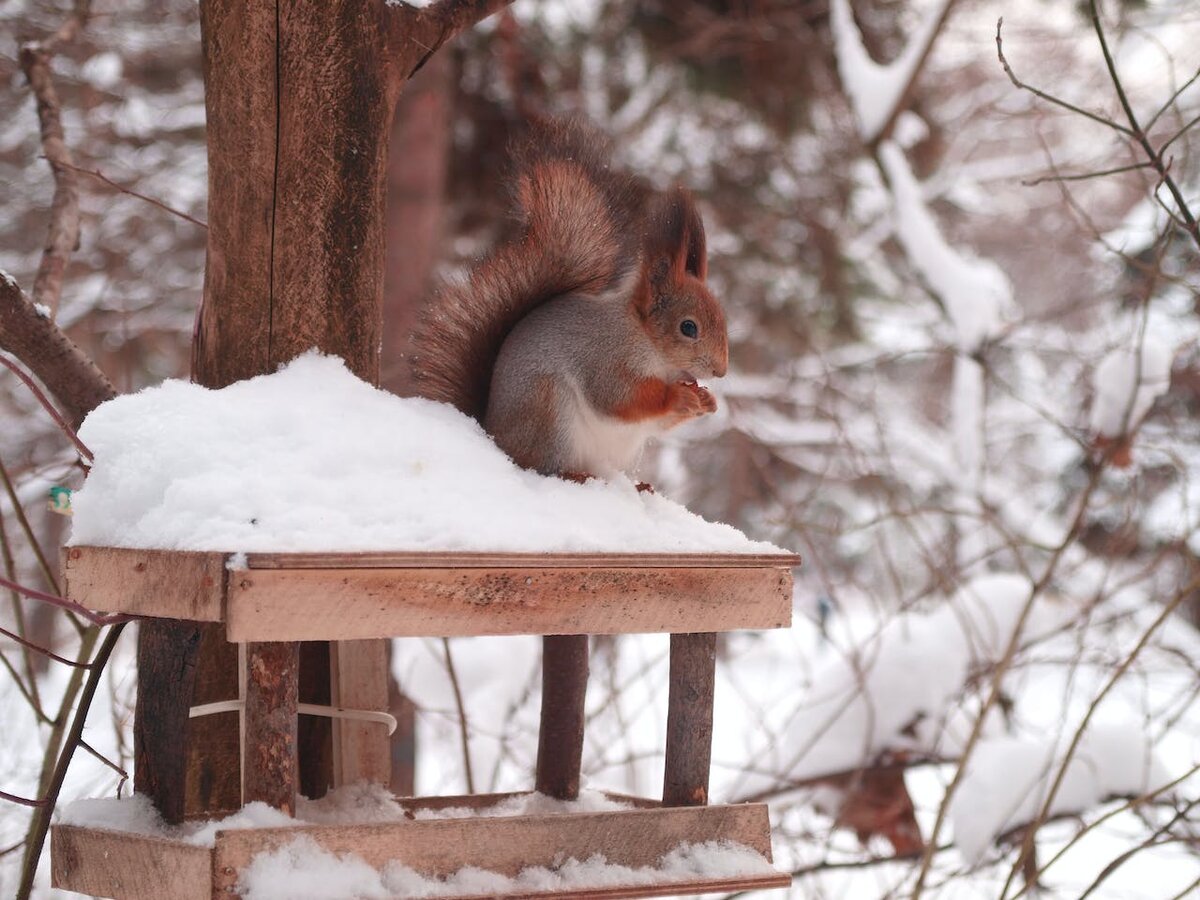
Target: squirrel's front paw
{"points": [[693, 401]]}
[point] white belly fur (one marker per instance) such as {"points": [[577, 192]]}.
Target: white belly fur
{"points": [[604, 445]]}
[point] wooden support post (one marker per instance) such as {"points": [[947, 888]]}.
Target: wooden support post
{"points": [[167, 647], [690, 719], [560, 739], [361, 750], [269, 756]]}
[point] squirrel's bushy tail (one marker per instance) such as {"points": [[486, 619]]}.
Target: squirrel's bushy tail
{"points": [[578, 233]]}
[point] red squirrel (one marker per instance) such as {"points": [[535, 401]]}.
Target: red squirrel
{"points": [[586, 334]]}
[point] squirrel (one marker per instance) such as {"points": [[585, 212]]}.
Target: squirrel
{"points": [[585, 334]]}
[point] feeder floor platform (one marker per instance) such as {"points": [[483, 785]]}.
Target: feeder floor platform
{"points": [[130, 866]]}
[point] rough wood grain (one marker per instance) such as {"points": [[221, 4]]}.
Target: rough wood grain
{"points": [[360, 603], [269, 760], [469, 560], [560, 735], [213, 782], [128, 866], [690, 719], [169, 583], [233, 329], [361, 750], [507, 845], [167, 648]]}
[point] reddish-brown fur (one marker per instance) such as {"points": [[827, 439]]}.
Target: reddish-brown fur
{"points": [[575, 213], [652, 398]]}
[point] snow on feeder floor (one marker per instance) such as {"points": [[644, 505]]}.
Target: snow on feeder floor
{"points": [[358, 842], [309, 506]]}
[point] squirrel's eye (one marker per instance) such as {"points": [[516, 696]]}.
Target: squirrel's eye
{"points": [[689, 328]]}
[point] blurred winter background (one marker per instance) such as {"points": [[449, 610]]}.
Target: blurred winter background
{"points": [[965, 325]]}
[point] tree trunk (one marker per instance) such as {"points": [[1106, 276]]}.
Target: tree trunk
{"points": [[299, 96]]}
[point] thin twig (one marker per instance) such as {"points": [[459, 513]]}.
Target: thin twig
{"points": [[1171, 100], [48, 406], [104, 759], [1136, 131], [100, 176], [38, 648], [1084, 176], [41, 820], [1077, 737], [63, 603], [1050, 98], [462, 715], [24, 801], [19, 511]]}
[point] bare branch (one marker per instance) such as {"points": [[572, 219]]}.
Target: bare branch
{"points": [[1171, 100], [104, 179], [32, 337], [1084, 176], [62, 236], [64, 603], [1050, 98], [1138, 134]]}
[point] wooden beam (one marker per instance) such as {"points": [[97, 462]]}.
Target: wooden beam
{"points": [[473, 560], [690, 719], [439, 847], [136, 867], [128, 866], [560, 735], [176, 584], [286, 604]]}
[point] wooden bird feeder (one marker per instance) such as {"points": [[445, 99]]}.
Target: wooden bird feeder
{"points": [[361, 597]]}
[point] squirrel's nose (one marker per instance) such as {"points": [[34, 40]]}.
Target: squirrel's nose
{"points": [[721, 365]]}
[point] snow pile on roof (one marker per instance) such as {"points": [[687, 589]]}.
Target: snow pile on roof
{"points": [[304, 869], [362, 803], [313, 459], [1008, 780]]}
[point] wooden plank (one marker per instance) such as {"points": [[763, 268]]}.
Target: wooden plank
{"points": [[361, 750], [346, 604], [160, 721], [560, 733], [481, 801], [174, 584], [465, 560], [690, 719], [677, 889], [508, 845], [129, 866]]}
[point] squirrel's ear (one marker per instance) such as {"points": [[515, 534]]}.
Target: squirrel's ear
{"points": [[675, 236]]}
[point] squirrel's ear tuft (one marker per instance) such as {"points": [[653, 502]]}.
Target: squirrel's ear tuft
{"points": [[675, 235]]}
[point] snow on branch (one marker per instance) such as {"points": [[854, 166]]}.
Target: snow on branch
{"points": [[975, 292], [877, 92]]}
